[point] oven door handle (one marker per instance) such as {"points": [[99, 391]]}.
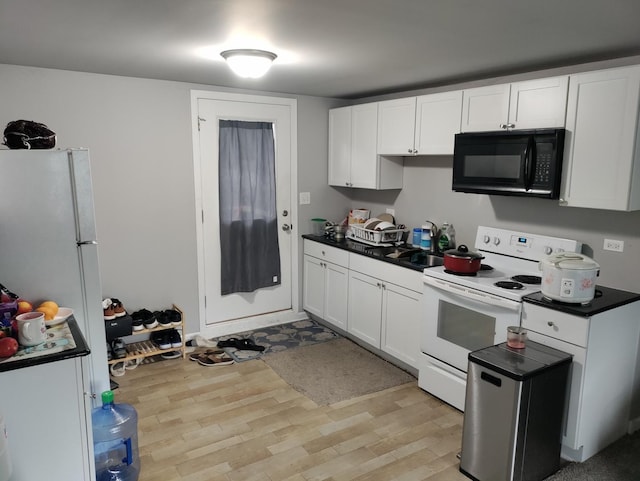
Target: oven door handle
{"points": [[473, 295]]}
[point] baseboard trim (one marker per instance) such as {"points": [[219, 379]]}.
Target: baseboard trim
{"points": [[634, 425], [248, 324]]}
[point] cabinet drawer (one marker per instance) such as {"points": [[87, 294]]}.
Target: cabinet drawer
{"points": [[327, 253], [571, 329]]}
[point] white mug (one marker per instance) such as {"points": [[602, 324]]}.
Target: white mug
{"points": [[31, 328]]}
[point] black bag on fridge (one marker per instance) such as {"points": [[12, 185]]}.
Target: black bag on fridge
{"points": [[27, 134]]}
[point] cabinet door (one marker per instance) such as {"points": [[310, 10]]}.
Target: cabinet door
{"points": [[364, 158], [339, 146], [600, 148], [437, 121], [401, 313], [485, 108], [44, 412], [365, 308], [314, 286], [396, 126], [336, 295], [539, 104]]}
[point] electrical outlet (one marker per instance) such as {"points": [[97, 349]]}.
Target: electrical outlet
{"points": [[305, 198], [613, 245], [391, 211]]}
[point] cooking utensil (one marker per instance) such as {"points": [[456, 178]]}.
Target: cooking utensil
{"points": [[569, 277], [462, 261]]}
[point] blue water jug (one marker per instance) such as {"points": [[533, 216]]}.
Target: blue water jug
{"points": [[115, 440]]}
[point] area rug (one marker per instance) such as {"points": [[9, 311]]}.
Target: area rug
{"points": [[336, 370], [276, 338]]}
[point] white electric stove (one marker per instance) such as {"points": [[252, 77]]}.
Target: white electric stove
{"points": [[463, 313]]}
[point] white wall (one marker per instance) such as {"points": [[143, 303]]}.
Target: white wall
{"points": [[139, 135]]}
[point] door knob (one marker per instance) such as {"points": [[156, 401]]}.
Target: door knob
{"points": [[286, 227]]}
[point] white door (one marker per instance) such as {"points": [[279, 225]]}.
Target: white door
{"points": [[281, 113]]}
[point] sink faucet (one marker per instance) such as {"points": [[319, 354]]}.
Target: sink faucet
{"points": [[434, 238]]}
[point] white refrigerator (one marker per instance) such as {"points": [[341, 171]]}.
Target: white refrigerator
{"points": [[48, 250]]}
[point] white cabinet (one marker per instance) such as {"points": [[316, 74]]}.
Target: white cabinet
{"points": [[385, 307], [48, 421], [530, 104], [604, 347], [326, 283], [353, 157], [424, 125], [437, 121], [365, 308], [396, 126], [602, 156]]}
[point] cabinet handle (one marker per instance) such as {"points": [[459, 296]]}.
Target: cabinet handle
{"points": [[378, 284], [550, 324], [503, 126], [411, 151], [415, 151], [91, 395]]}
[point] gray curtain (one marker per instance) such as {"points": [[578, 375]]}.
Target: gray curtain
{"points": [[248, 216]]}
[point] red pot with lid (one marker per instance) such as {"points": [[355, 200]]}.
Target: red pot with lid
{"points": [[462, 260]]}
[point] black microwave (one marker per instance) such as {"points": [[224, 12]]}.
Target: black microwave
{"points": [[516, 162]]}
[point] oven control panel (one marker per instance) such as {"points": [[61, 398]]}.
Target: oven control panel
{"points": [[522, 244]]}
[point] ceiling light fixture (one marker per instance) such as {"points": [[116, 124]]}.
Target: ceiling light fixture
{"points": [[249, 63]]}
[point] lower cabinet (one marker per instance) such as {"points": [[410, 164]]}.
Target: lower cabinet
{"points": [[385, 315], [374, 301], [48, 421], [604, 349], [385, 307], [326, 283]]}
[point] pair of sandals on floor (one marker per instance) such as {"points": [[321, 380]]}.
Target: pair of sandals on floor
{"points": [[219, 357]]}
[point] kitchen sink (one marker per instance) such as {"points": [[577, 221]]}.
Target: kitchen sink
{"points": [[408, 255]]}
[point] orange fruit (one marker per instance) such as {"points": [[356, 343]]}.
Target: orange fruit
{"points": [[48, 312], [50, 304], [24, 306]]}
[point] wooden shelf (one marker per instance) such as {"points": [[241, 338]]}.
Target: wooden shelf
{"points": [[143, 349]]}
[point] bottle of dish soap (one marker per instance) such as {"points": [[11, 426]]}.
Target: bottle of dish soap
{"points": [[447, 239]]}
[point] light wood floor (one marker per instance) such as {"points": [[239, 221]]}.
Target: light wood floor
{"points": [[244, 423]]}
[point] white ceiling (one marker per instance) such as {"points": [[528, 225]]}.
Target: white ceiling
{"points": [[329, 48]]}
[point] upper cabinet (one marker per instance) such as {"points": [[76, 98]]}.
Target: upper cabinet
{"points": [[353, 158], [602, 158], [423, 125], [530, 104], [437, 122], [396, 126]]}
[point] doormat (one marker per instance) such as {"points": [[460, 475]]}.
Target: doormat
{"points": [[277, 338], [335, 371]]}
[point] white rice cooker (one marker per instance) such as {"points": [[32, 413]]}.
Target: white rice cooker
{"points": [[569, 277]]}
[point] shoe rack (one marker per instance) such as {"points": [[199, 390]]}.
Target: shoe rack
{"points": [[137, 351]]}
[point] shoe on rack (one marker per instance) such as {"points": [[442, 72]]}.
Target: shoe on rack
{"points": [[118, 308], [148, 319], [137, 320], [174, 316], [107, 310], [109, 352], [171, 355], [175, 338], [163, 319], [161, 339], [118, 348]]}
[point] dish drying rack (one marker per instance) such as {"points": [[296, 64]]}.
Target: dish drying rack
{"points": [[383, 238]]}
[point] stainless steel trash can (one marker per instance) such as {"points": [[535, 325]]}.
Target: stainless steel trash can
{"points": [[513, 415]]}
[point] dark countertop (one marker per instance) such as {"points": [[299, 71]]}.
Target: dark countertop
{"points": [[415, 261], [610, 299], [81, 349]]}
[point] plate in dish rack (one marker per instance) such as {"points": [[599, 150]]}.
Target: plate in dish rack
{"points": [[63, 315]]}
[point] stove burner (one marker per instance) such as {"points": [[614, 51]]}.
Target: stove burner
{"points": [[527, 279], [462, 274], [509, 285], [485, 267]]}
